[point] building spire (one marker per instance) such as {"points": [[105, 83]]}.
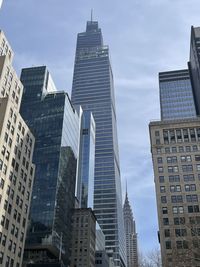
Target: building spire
{"points": [[126, 196], [91, 14]]}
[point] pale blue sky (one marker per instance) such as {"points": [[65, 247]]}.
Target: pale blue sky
{"points": [[145, 37]]}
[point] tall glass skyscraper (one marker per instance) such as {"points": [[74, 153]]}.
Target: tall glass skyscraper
{"points": [[55, 124], [176, 97], [93, 89]]}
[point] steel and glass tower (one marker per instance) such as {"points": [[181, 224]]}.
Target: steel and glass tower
{"points": [[93, 89], [176, 97]]}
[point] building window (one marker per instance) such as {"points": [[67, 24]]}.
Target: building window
{"points": [[188, 149], [165, 221], [159, 160], [186, 158], [174, 149], [161, 179], [198, 167], [179, 220], [158, 150], [174, 178], [162, 189], [197, 157], [172, 169], [163, 199], [180, 149], [180, 232], [194, 208], [164, 210], [168, 244], [189, 177], [187, 168], [194, 148], [167, 233], [167, 150], [182, 244], [160, 169], [172, 159], [175, 188], [177, 199], [191, 198], [177, 209], [190, 187]]}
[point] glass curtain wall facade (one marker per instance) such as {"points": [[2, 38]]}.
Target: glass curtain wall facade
{"points": [[85, 173], [176, 96], [55, 124], [93, 89]]}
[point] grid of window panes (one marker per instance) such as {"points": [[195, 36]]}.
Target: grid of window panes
{"points": [[93, 89], [55, 125], [176, 97], [177, 167]]}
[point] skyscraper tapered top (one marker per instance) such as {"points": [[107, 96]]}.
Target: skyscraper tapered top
{"points": [[131, 235]]}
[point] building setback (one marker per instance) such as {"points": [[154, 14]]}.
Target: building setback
{"points": [[176, 96], [55, 123], [131, 235], [16, 168], [175, 147], [93, 89]]}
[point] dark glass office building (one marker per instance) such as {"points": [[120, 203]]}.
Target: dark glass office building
{"points": [[55, 125], [93, 89], [176, 97]]}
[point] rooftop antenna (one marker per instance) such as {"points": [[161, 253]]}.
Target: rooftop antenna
{"points": [[91, 14], [126, 189]]}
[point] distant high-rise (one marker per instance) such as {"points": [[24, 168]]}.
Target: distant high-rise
{"points": [[16, 168], [55, 123], [131, 235], [93, 89], [176, 97]]}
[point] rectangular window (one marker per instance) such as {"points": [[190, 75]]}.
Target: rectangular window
{"points": [[174, 178], [162, 189], [161, 179], [188, 177], [187, 168]]}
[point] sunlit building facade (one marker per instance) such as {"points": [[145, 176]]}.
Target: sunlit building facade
{"points": [[176, 159], [16, 168]]}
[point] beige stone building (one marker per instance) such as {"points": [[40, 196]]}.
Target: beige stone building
{"points": [[83, 238], [175, 147], [16, 168]]}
